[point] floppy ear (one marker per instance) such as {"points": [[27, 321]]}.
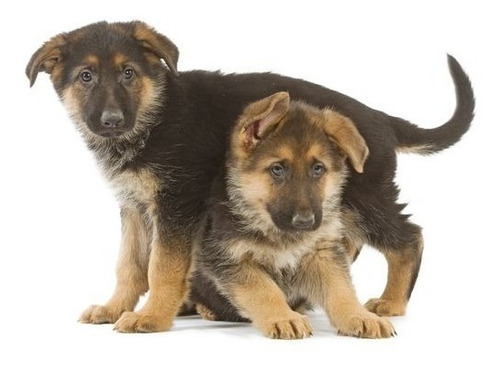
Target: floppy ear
{"points": [[343, 132], [45, 58], [158, 44], [261, 118]]}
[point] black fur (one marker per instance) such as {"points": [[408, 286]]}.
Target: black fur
{"points": [[209, 103]]}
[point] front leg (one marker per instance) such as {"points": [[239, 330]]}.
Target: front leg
{"points": [[131, 270], [168, 274], [325, 278], [260, 299]]}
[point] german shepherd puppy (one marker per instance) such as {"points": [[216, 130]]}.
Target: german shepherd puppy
{"points": [[160, 137], [274, 233]]}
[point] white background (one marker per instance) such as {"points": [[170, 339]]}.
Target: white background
{"points": [[60, 225]]}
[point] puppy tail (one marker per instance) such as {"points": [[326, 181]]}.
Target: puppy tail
{"points": [[414, 139]]}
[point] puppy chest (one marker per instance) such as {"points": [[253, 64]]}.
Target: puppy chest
{"points": [[271, 256], [136, 187]]}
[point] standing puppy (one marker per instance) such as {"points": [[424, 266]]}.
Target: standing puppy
{"points": [[274, 235]]}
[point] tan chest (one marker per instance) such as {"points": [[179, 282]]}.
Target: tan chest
{"points": [[139, 187]]}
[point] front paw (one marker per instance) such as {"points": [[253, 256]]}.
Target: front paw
{"points": [[101, 314], [366, 325], [137, 322], [295, 327], [385, 307]]}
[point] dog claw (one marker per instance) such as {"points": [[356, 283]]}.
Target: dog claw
{"points": [[296, 327]]}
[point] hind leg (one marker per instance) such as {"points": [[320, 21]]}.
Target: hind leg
{"points": [[403, 261], [354, 238]]}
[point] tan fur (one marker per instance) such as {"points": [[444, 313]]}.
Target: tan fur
{"points": [[158, 44], [283, 152], [260, 298], [401, 270], [270, 111], [119, 60], [71, 101], [92, 60], [136, 187], [149, 98], [133, 188], [279, 256], [345, 134], [57, 73], [168, 271], [353, 239], [131, 271], [328, 279], [325, 279], [46, 58], [422, 149], [205, 312], [256, 193]]}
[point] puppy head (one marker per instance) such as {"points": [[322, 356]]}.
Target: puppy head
{"points": [[287, 163], [110, 76]]}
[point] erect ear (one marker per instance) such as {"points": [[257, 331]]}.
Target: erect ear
{"points": [[45, 58], [158, 44], [343, 132], [261, 118]]}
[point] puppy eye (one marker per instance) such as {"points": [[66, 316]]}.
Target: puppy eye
{"points": [[86, 76], [318, 169], [128, 73], [277, 171]]}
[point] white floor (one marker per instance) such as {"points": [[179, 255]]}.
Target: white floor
{"points": [[451, 321]]}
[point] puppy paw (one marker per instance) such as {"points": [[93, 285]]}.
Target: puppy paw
{"points": [[205, 312], [296, 327], [384, 307], [137, 322], [366, 325], [100, 314]]}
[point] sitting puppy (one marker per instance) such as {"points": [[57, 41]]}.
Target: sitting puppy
{"points": [[273, 240]]}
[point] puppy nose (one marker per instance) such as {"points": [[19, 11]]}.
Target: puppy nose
{"points": [[112, 118], [303, 221]]}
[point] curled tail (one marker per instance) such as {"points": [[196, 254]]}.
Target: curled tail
{"points": [[412, 138]]}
